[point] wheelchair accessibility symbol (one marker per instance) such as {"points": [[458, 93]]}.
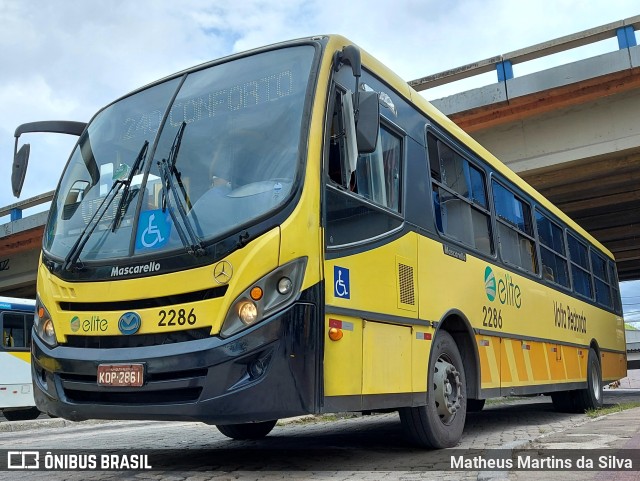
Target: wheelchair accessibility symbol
{"points": [[341, 286], [153, 230]]}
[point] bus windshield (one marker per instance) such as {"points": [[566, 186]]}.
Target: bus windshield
{"points": [[184, 162]]}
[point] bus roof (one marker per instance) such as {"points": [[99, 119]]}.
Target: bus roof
{"points": [[16, 304]]}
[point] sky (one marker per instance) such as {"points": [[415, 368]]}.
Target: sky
{"points": [[66, 59]]}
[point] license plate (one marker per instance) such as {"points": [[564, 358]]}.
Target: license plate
{"points": [[118, 375]]}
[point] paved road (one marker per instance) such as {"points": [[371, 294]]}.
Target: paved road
{"points": [[368, 447]]}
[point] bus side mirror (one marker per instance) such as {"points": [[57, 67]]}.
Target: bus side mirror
{"points": [[21, 157], [368, 123], [19, 170]]}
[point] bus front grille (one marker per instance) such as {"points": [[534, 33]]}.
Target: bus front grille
{"points": [[159, 388], [133, 397], [138, 340]]}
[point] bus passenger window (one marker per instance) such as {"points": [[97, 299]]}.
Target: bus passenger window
{"points": [[16, 330], [515, 229], [459, 197], [615, 288], [601, 280], [552, 251], [580, 271]]}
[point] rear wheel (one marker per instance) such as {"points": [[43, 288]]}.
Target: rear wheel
{"points": [[440, 422], [591, 398], [580, 400], [21, 414], [247, 430]]}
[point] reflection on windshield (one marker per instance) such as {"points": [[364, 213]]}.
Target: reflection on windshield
{"points": [[237, 159]]}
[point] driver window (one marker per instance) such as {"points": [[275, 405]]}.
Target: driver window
{"points": [[377, 175]]}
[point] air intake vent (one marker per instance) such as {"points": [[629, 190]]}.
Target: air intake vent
{"points": [[405, 281]]}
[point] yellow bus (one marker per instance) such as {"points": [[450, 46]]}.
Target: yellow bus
{"points": [[294, 230]]}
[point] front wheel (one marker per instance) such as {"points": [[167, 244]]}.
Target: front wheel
{"points": [[21, 414], [247, 430], [440, 422]]}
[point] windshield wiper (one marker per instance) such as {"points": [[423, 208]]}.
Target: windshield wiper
{"points": [[72, 256], [124, 199], [168, 172]]}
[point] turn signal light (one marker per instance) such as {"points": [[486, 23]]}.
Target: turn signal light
{"points": [[335, 334], [256, 293]]}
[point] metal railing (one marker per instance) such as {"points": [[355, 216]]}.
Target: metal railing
{"points": [[624, 30], [15, 210]]}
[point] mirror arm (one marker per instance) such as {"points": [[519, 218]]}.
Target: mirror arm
{"points": [[350, 55]]}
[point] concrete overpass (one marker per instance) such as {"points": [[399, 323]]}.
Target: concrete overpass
{"points": [[571, 131]]}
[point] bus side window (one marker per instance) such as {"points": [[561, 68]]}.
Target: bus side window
{"points": [[377, 175], [552, 251], [615, 288], [515, 229], [335, 148], [16, 330], [602, 280], [580, 272], [459, 196]]}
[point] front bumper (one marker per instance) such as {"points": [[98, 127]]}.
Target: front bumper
{"points": [[269, 371]]}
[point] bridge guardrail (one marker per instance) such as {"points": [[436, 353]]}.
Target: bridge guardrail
{"points": [[15, 210], [624, 30]]}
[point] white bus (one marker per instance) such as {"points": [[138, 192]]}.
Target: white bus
{"points": [[16, 389]]}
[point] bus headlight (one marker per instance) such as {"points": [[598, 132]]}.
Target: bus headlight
{"points": [[272, 293], [43, 325], [247, 312]]}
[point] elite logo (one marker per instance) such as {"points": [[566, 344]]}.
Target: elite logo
{"points": [[490, 284], [504, 289]]}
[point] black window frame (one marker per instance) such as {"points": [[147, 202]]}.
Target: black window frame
{"points": [[394, 220], [596, 278], [562, 254], [587, 245], [532, 237], [27, 327], [438, 183]]}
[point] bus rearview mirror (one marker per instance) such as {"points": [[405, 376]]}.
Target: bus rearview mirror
{"points": [[368, 123], [19, 169]]}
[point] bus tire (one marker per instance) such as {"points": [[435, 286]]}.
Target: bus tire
{"points": [[591, 397], [440, 422], [247, 430], [21, 414], [475, 405]]}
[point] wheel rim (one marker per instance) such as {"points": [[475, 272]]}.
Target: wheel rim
{"points": [[447, 390], [595, 383]]}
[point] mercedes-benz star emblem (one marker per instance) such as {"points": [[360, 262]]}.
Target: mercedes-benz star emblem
{"points": [[222, 272]]}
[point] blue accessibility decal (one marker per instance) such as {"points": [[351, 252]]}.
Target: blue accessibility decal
{"points": [[154, 230], [341, 286]]}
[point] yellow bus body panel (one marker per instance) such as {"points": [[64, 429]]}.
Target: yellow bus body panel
{"points": [[249, 264], [383, 351]]}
